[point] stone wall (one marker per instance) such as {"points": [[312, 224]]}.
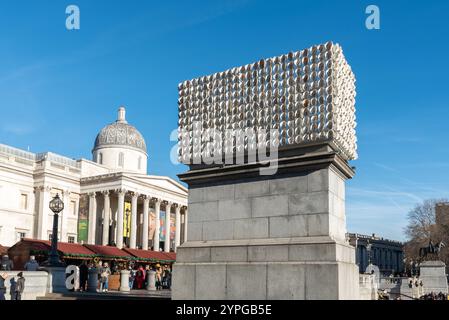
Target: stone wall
{"points": [[368, 287], [302, 206], [35, 284]]}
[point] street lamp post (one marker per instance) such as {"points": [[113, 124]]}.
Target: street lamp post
{"points": [[56, 205], [368, 249]]}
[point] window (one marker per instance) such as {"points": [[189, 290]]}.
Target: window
{"points": [[121, 159], [71, 239], [50, 236], [73, 207], [24, 201], [100, 158], [139, 163], [20, 235]]}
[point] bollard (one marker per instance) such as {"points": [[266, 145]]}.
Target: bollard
{"points": [[124, 280], [151, 283], [92, 280]]}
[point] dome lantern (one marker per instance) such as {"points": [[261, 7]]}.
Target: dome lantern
{"points": [[121, 118]]}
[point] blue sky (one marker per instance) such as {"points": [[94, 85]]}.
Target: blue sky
{"points": [[58, 88]]}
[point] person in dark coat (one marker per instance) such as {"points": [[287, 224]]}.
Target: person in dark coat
{"points": [[20, 287], [32, 264], [12, 288], [84, 272], [3, 277], [6, 263]]}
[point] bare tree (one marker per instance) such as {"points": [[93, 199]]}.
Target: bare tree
{"points": [[422, 227]]}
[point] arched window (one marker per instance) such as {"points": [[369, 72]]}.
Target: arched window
{"points": [[139, 163], [100, 158], [121, 159]]}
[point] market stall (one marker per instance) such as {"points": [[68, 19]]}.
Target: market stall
{"points": [[116, 258], [70, 253]]}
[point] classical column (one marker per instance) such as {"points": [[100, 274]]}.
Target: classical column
{"points": [[106, 212], [146, 205], [178, 227], [92, 218], [133, 235], [167, 227], [157, 210], [185, 224], [65, 215], [42, 222], [120, 209]]}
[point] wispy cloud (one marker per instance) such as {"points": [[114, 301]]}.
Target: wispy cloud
{"points": [[382, 193], [17, 128]]}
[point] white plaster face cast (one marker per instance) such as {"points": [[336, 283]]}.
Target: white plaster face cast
{"points": [[298, 98]]}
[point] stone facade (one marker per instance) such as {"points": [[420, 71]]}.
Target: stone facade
{"points": [[96, 191], [386, 254]]}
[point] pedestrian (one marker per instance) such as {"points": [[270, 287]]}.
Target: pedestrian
{"points": [[6, 263], [168, 277], [104, 274], [3, 277], [132, 277], [158, 277], [84, 272], [12, 288], [20, 287], [32, 264], [147, 275], [140, 277]]}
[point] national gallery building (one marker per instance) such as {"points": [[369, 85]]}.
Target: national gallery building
{"points": [[110, 200]]}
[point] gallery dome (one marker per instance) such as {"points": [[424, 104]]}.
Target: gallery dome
{"points": [[120, 134]]}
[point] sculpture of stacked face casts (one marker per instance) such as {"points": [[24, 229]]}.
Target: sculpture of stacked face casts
{"points": [[298, 98]]}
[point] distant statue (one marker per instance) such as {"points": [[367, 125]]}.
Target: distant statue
{"points": [[431, 249]]}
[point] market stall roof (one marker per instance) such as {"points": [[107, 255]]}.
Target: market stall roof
{"points": [[74, 250], [148, 255], [171, 255], [3, 250], [108, 252]]}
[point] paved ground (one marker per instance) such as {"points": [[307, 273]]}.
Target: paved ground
{"points": [[111, 295]]}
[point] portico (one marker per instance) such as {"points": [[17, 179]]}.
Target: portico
{"points": [[144, 224]]}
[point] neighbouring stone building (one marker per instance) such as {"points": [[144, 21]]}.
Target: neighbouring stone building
{"points": [[386, 254], [442, 213], [109, 201]]}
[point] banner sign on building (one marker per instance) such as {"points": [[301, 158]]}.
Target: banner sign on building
{"points": [[127, 220], [83, 218], [163, 227]]}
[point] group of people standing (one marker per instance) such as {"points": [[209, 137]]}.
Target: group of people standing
{"points": [[16, 286], [138, 278], [103, 273], [17, 283], [138, 275]]}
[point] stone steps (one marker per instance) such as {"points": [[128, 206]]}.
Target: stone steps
{"points": [[105, 296]]}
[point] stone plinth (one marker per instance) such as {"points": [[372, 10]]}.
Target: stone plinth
{"points": [[268, 237], [368, 286], [433, 276], [56, 280]]}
